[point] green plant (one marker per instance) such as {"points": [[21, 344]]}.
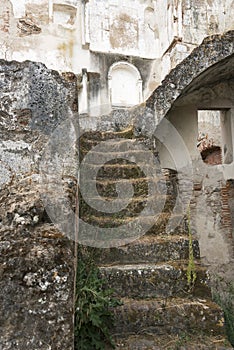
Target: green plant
{"points": [[93, 318], [183, 339], [227, 305], [191, 270]]}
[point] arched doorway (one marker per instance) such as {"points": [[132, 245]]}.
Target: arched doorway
{"points": [[204, 81]]}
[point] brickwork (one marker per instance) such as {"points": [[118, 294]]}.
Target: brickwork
{"points": [[212, 155]]}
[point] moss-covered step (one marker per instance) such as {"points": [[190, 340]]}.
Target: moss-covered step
{"points": [[102, 154], [141, 186], [148, 250], [106, 135], [155, 280], [168, 316], [181, 341], [118, 170], [160, 225], [109, 187], [169, 223], [125, 207], [115, 145]]}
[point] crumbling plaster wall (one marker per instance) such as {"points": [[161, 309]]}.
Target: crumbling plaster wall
{"points": [[36, 260], [66, 35]]}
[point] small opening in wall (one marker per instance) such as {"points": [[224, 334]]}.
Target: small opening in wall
{"points": [[215, 136]]}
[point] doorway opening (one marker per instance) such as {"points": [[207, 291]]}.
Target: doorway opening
{"points": [[215, 140]]}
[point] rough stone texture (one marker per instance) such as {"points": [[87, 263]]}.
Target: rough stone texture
{"points": [[37, 273], [187, 341], [33, 101], [168, 316], [42, 94], [148, 249], [213, 50], [153, 281], [36, 260]]}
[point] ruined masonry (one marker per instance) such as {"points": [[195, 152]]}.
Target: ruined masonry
{"points": [[115, 73]]}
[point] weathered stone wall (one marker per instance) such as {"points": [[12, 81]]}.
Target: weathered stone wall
{"points": [[36, 260], [213, 49], [33, 101], [37, 273]]}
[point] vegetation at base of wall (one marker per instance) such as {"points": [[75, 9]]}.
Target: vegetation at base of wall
{"points": [[191, 270], [93, 318], [226, 302]]}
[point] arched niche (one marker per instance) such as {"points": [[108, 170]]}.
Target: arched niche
{"points": [[63, 13], [124, 84], [150, 20]]}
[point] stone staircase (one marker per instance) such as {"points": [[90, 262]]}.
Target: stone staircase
{"points": [[149, 274]]}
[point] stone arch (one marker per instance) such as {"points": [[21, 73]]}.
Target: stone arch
{"points": [[198, 81], [213, 50], [124, 84], [203, 81]]}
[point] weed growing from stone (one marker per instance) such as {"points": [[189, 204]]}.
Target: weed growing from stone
{"points": [[227, 305], [93, 318], [191, 270]]}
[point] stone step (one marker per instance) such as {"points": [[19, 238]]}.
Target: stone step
{"points": [[114, 144], [124, 207], [103, 155], [118, 171], [148, 250], [170, 224], [106, 135], [104, 119], [154, 280], [168, 317], [180, 341], [160, 225], [141, 186]]}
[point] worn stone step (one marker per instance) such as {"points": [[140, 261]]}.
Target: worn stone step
{"points": [[181, 341], [115, 144], [148, 250], [141, 186], [168, 317], [154, 280], [106, 135], [105, 119], [124, 207], [162, 224], [103, 155], [118, 171], [170, 224]]}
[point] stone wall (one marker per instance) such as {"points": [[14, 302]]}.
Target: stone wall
{"points": [[33, 101], [36, 260]]}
